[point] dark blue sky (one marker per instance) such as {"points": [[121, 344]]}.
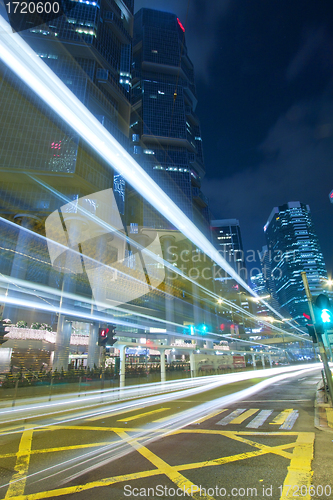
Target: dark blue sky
{"points": [[264, 75]]}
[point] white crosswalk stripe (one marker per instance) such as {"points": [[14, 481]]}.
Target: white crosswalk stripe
{"points": [[226, 420], [290, 420], [259, 419], [285, 419]]}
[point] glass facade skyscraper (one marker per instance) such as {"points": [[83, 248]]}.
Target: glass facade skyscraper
{"points": [[43, 162], [293, 247], [90, 51], [165, 129]]}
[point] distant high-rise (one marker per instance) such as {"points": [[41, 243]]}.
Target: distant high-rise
{"points": [[228, 240], [165, 129], [293, 247]]}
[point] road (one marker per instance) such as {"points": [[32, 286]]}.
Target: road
{"points": [[250, 438]]}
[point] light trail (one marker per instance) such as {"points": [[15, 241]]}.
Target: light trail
{"points": [[192, 386], [24, 62], [156, 431], [99, 304]]}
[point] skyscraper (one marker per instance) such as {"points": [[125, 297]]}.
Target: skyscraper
{"points": [[165, 129], [293, 247], [44, 165], [90, 51], [227, 239]]}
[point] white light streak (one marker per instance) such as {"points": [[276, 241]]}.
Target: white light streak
{"points": [[22, 60]]}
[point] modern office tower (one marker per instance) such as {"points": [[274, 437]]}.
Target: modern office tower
{"points": [[259, 285], [44, 165], [293, 247], [166, 134], [227, 238], [90, 51]]}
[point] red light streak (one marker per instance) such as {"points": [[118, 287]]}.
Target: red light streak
{"points": [[181, 26]]}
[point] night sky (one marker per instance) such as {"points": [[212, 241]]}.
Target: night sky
{"points": [[264, 77]]}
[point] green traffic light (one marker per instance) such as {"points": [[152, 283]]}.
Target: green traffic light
{"points": [[326, 316]]}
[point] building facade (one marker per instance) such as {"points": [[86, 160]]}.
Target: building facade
{"points": [[293, 247], [166, 135], [45, 167]]}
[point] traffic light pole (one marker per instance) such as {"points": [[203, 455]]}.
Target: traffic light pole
{"points": [[321, 346]]}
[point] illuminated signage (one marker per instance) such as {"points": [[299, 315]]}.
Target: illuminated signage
{"points": [[331, 196], [180, 25]]}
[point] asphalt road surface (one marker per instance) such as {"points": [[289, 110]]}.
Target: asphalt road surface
{"points": [[225, 442]]}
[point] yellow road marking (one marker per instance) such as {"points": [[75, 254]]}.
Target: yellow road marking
{"points": [[109, 414], [70, 490], [211, 415], [142, 415], [299, 470], [60, 448], [240, 419], [17, 483], [329, 415], [170, 471], [278, 449], [281, 417]]}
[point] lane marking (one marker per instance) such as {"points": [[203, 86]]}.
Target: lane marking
{"points": [[281, 417], [290, 420], [299, 470], [259, 419], [240, 419], [226, 420], [300, 462], [141, 415], [108, 414], [329, 415], [60, 448], [170, 471], [210, 415], [17, 483]]}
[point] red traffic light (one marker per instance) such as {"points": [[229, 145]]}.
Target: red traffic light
{"points": [[104, 332]]}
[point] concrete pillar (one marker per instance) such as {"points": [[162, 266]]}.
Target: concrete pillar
{"points": [[209, 344], [167, 242], [94, 350], [254, 360], [193, 365], [62, 346], [263, 360], [122, 366], [163, 374], [270, 360], [72, 263]]}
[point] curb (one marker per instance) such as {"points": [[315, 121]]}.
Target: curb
{"points": [[323, 419]]}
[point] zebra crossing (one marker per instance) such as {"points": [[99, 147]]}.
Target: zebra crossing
{"points": [[285, 419]]}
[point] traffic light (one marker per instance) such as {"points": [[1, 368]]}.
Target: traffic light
{"points": [[323, 310], [111, 334], [103, 336], [106, 336]]}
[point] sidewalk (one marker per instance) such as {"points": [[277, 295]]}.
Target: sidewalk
{"points": [[323, 410]]}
